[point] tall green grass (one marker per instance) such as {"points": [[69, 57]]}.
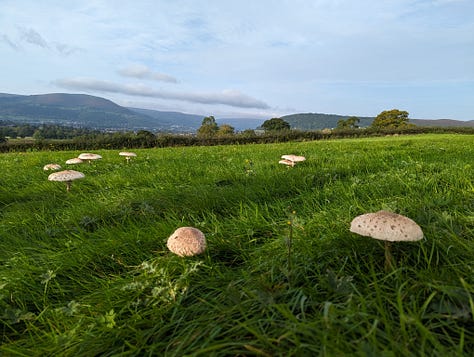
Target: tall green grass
{"points": [[87, 272]]}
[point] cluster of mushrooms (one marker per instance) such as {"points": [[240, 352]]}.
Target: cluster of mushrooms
{"points": [[189, 241], [70, 175]]}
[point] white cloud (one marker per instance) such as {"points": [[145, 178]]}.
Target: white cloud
{"points": [[227, 97]]}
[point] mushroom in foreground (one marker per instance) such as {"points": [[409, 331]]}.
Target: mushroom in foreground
{"points": [[186, 242], [287, 162], [74, 161], [389, 227], [293, 158], [89, 157], [128, 155], [66, 176], [51, 167]]}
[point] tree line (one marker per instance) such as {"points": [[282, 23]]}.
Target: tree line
{"points": [[53, 137]]}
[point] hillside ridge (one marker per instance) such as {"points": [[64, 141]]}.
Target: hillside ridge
{"points": [[83, 110]]}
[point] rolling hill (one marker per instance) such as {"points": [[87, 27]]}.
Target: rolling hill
{"points": [[81, 110], [317, 121]]}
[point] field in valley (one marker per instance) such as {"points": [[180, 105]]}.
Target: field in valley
{"points": [[87, 272]]}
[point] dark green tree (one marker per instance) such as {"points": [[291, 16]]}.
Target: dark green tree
{"points": [[208, 127], [275, 124], [391, 119], [349, 123]]}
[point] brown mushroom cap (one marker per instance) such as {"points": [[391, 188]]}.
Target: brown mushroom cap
{"points": [[74, 160], [294, 158], [66, 175], [387, 226], [187, 241], [51, 167]]}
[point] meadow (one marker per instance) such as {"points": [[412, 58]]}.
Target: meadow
{"points": [[87, 272]]}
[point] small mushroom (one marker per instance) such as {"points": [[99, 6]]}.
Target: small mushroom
{"points": [[389, 227], [66, 176], [51, 167], [293, 158], [74, 161], [89, 157], [186, 242], [287, 162], [128, 155]]}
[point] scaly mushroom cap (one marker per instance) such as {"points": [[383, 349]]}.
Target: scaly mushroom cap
{"points": [[388, 226], [51, 167], [294, 158], [127, 154], [89, 156], [186, 242], [74, 160], [66, 175], [286, 162]]}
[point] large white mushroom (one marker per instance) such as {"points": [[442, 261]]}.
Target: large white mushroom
{"points": [[66, 176], [389, 227], [186, 242], [128, 155], [89, 157], [293, 158]]}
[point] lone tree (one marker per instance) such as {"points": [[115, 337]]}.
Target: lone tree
{"points": [[391, 119], [349, 123], [208, 127], [275, 124]]}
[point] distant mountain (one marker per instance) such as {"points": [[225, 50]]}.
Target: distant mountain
{"points": [[172, 121], [317, 121], [71, 109], [81, 110], [442, 122]]}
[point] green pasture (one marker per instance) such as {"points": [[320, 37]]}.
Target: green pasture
{"points": [[87, 272]]}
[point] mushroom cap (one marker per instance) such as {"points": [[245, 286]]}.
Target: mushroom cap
{"points": [[51, 167], [388, 226], [294, 158], [66, 175], [89, 156], [127, 154], [287, 162], [187, 241], [74, 160]]}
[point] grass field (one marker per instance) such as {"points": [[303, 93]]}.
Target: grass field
{"points": [[87, 272]]}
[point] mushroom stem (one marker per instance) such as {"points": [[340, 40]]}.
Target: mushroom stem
{"points": [[68, 186], [388, 256]]}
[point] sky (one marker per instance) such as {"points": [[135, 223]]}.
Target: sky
{"points": [[246, 58]]}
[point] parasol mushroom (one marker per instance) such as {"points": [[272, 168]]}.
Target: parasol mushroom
{"points": [[389, 227], [51, 167], [89, 157], [287, 162], [293, 158], [74, 161], [66, 176], [128, 155], [187, 241]]}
